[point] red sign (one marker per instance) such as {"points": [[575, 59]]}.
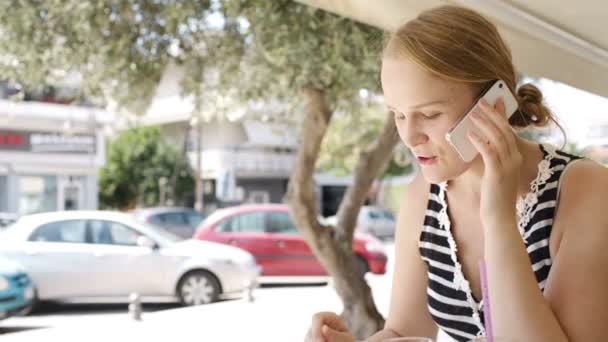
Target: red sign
{"points": [[46, 142], [11, 139]]}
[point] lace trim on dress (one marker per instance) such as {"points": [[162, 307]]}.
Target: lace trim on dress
{"points": [[525, 204], [524, 209], [459, 279]]}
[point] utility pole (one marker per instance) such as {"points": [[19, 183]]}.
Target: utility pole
{"points": [[198, 189]]}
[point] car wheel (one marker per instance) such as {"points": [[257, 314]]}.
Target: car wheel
{"points": [[198, 287], [34, 305], [361, 265]]}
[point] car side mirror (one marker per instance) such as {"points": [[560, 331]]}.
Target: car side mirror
{"points": [[144, 241]]}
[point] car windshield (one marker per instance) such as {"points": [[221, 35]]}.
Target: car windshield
{"points": [[194, 219], [389, 215], [160, 234]]}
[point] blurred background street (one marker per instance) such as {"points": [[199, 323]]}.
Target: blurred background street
{"points": [[223, 162]]}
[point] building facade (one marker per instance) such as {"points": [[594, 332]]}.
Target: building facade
{"points": [[241, 162], [49, 156]]}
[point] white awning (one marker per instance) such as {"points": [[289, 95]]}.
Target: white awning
{"points": [[566, 41]]}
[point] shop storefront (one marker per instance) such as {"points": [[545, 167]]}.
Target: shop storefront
{"points": [[44, 167]]}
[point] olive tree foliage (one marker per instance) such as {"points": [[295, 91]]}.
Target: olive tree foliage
{"points": [[119, 47], [233, 53], [298, 46]]}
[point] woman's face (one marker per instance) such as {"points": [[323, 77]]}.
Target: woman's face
{"points": [[426, 107]]}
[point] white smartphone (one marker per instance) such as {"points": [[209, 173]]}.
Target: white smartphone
{"points": [[457, 136]]}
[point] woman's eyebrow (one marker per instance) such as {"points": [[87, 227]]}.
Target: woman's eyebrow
{"points": [[418, 106], [426, 104]]}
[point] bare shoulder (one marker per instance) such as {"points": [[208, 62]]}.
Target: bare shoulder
{"points": [[585, 178], [583, 197], [586, 181], [414, 199], [576, 287], [408, 314], [412, 207], [417, 190]]}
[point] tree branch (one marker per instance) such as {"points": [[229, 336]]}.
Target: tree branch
{"points": [[368, 166]]}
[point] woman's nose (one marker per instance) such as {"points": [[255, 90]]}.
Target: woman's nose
{"points": [[411, 133]]}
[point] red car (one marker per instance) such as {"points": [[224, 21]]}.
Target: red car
{"points": [[267, 232]]}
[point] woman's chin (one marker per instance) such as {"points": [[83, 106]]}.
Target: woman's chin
{"points": [[434, 177], [438, 175]]}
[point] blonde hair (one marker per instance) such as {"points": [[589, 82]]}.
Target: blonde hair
{"points": [[459, 44]]}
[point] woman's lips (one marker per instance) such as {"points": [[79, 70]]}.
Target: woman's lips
{"points": [[426, 160]]}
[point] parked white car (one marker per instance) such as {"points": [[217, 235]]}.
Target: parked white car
{"points": [[82, 255], [373, 220]]}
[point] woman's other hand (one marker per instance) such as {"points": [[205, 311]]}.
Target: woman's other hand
{"points": [[328, 327]]}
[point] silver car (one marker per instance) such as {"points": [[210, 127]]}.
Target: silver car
{"points": [[373, 220], [181, 222], [82, 255]]}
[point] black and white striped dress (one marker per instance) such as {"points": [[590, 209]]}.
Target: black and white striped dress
{"points": [[449, 295]]}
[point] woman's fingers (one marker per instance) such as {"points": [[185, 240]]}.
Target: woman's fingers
{"points": [[498, 117], [332, 335], [482, 144], [489, 133], [327, 319]]}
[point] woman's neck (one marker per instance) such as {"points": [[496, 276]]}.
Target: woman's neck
{"points": [[468, 184]]}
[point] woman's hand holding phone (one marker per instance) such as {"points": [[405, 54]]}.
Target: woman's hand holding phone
{"points": [[493, 137]]}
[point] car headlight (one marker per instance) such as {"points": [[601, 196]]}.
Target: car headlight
{"points": [[4, 285], [374, 246], [250, 261], [224, 261]]}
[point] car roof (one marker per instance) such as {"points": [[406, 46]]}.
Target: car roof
{"points": [[162, 210], [30, 221], [27, 223], [75, 214], [222, 213]]}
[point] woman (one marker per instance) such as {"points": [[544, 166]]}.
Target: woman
{"points": [[536, 215]]}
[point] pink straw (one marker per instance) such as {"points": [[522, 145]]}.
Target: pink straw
{"points": [[486, 300]]}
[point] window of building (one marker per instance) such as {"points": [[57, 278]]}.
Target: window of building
{"points": [[37, 193], [3, 193]]}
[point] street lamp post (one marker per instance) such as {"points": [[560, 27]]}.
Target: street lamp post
{"points": [[198, 189]]}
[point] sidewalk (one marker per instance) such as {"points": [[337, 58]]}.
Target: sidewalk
{"points": [[278, 314]]}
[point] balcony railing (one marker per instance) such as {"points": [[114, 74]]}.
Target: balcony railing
{"points": [[251, 163]]}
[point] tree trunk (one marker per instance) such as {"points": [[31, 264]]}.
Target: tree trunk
{"points": [[333, 246]]}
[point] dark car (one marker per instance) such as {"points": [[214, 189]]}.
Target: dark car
{"points": [[181, 222], [6, 219]]}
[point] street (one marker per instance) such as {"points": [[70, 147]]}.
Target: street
{"points": [[279, 313]]}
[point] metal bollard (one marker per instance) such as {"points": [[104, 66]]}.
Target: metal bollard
{"points": [[250, 285], [135, 306]]}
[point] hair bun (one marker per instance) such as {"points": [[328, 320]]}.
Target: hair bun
{"points": [[530, 93], [531, 108]]}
